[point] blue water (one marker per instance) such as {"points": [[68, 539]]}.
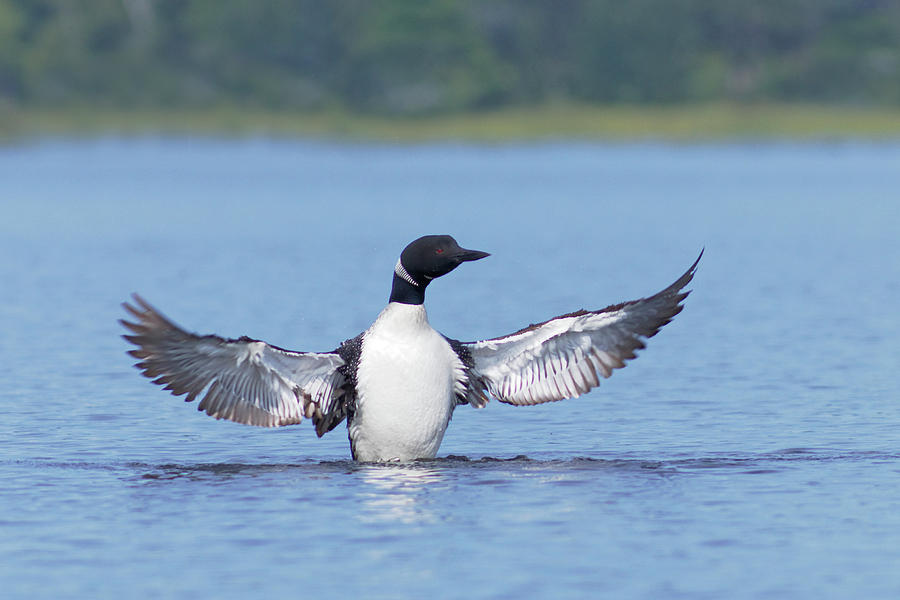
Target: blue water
{"points": [[752, 451]]}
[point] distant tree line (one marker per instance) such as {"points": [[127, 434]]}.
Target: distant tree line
{"points": [[423, 57]]}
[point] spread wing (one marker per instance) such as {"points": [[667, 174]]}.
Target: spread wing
{"points": [[562, 357], [242, 380]]}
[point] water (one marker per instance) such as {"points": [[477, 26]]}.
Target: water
{"points": [[750, 452]]}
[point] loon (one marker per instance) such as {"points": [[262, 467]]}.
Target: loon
{"points": [[397, 383]]}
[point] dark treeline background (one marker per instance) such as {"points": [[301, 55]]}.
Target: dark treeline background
{"points": [[419, 57]]}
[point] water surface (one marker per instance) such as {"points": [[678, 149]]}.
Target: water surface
{"points": [[750, 452]]}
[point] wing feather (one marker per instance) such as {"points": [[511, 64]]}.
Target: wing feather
{"points": [[242, 380], [565, 357]]}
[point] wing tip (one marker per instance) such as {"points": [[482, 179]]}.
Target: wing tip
{"points": [[686, 278]]}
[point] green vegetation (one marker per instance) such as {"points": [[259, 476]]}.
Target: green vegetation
{"points": [[689, 123], [475, 69]]}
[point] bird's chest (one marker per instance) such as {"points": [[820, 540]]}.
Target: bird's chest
{"points": [[405, 392]]}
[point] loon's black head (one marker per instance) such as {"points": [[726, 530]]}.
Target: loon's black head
{"points": [[425, 259]]}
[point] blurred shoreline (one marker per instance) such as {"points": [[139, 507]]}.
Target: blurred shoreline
{"points": [[693, 123]]}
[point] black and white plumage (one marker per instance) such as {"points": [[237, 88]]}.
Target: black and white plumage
{"points": [[397, 383]]}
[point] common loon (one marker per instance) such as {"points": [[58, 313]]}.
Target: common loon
{"points": [[398, 382]]}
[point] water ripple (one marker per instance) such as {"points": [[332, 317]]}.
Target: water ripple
{"points": [[762, 463]]}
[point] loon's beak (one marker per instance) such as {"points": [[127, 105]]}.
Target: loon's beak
{"points": [[466, 255]]}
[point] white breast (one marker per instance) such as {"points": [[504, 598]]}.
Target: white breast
{"points": [[405, 387]]}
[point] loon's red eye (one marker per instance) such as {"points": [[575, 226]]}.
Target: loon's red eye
{"points": [[439, 251]]}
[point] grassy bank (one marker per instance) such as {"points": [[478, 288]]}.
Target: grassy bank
{"points": [[691, 123]]}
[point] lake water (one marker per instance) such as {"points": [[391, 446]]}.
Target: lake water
{"points": [[751, 451]]}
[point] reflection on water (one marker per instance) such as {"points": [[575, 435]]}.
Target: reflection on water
{"points": [[398, 493]]}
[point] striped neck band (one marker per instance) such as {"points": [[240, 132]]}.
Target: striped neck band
{"points": [[402, 274]]}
